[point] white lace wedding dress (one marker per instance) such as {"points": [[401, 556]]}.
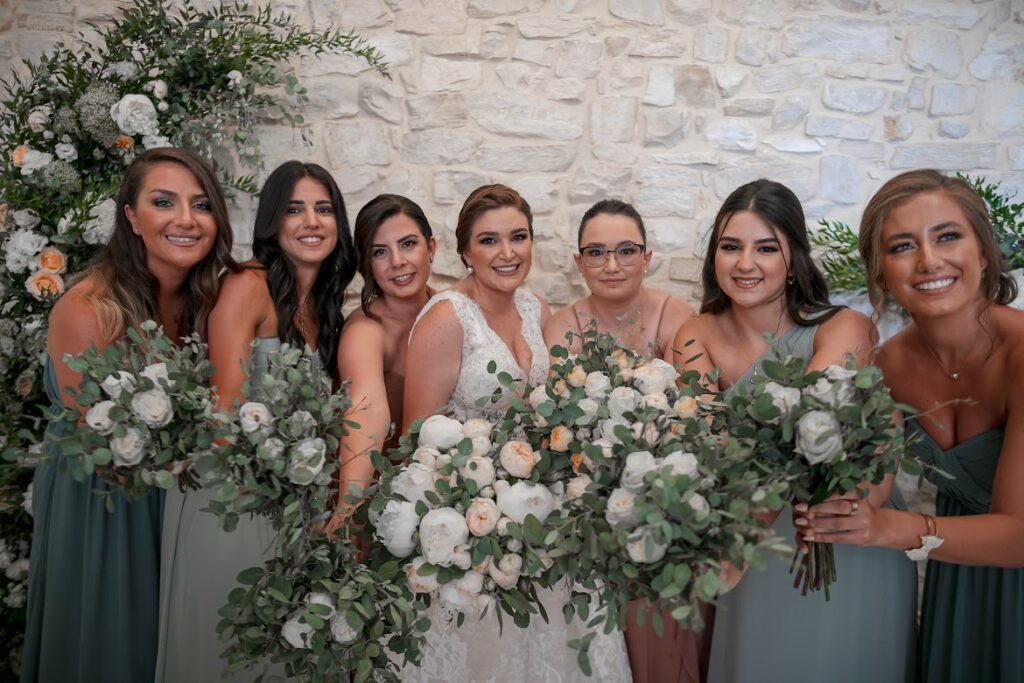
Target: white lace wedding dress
{"points": [[476, 652]]}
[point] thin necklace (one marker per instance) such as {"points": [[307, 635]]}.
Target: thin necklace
{"points": [[955, 376], [302, 322]]}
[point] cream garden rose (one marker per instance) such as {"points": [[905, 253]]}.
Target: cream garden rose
{"points": [[135, 115], [116, 383], [686, 407], [577, 377], [417, 582], [597, 385], [127, 450], [306, 459], [522, 499], [561, 437], [396, 526], [441, 432], [254, 416], [507, 570], [783, 398], [98, 417], [638, 464], [441, 532], [413, 482], [621, 507], [818, 437], [153, 407], [482, 516], [642, 547], [518, 458], [480, 469], [682, 464]]}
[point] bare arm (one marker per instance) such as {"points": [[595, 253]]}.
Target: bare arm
{"points": [[434, 360], [242, 307], [687, 351], [73, 328]]}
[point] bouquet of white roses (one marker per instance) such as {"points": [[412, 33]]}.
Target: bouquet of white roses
{"points": [[824, 432], [143, 412]]}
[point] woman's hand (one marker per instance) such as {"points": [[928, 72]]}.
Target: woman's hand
{"points": [[849, 518]]}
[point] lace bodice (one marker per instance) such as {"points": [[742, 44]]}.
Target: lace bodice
{"points": [[481, 345]]}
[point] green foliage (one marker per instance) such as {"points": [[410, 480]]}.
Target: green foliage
{"points": [[1007, 220]]}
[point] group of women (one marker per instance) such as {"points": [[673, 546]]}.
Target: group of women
{"points": [[132, 595]]}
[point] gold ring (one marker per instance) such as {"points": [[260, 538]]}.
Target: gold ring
{"points": [[854, 508]]}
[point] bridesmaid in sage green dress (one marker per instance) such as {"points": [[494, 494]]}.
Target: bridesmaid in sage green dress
{"points": [[759, 278], [93, 582], [928, 244], [291, 292]]}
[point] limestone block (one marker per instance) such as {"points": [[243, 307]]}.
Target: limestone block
{"points": [[332, 65], [661, 86], [406, 181], [949, 128], [523, 117], [32, 45], [703, 158], [579, 59], [841, 179], [331, 97], [851, 5], [711, 44], [357, 142], [794, 145], [785, 77], [42, 21], [802, 180], [436, 111], [840, 39], [551, 253], [362, 14], [749, 106], [437, 74], [571, 89], [640, 11], [615, 45], [729, 79], [526, 158], [554, 290], [832, 127], [952, 99], [667, 192], [844, 70], [550, 27], [760, 13], [452, 187], [694, 87], [856, 99], [935, 50], [383, 98], [6, 15], [669, 235], [485, 9], [594, 183], [465, 45], [541, 192], [733, 136], [665, 127], [915, 95], [755, 47], [1016, 157], [685, 269], [397, 49], [1001, 57], [614, 154], [897, 127], [945, 156], [543, 52], [790, 112], [872, 151], [956, 15], [518, 77], [613, 119], [660, 43], [496, 41], [1001, 117], [430, 21], [281, 143], [439, 146], [690, 12]]}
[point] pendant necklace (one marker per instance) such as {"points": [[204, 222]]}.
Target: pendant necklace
{"points": [[955, 376]]}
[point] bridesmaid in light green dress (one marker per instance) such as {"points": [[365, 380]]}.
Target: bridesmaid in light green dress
{"points": [[93, 582], [291, 292], [759, 278], [928, 243]]}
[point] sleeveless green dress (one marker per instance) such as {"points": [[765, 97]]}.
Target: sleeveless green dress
{"points": [[200, 564], [972, 618], [93, 580], [766, 631]]}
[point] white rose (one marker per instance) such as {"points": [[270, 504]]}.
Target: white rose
{"points": [[608, 428], [35, 161], [157, 374], [254, 416], [518, 458], [135, 115], [523, 498], [234, 78], [698, 504], [162, 106], [413, 482], [659, 401], [838, 373], [158, 88], [462, 593], [26, 218], [153, 407], [638, 464], [441, 432], [418, 583], [426, 455], [100, 224], [818, 437], [128, 450], [607, 447], [481, 446], [118, 382], [297, 633], [154, 141], [621, 508], [831, 392], [22, 247], [441, 531], [538, 396], [477, 427], [480, 470], [395, 527], [589, 406], [482, 516], [577, 486], [637, 546], [622, 400], [98, 417], [321, 598], [682, 464], [306, 459], [654, 376], [270, 449], [39, 118], [507, 571], [597, 385], [341, 632], [783, 398], [66, 151]]}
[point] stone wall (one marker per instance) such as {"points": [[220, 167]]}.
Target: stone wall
{"points": [[667, 103]]}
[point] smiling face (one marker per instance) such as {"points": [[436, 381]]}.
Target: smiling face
{"points": [[500, 249], [607, 233], [400, 257], [930, 257], [172, 214], [751, 260], [309, 229]]}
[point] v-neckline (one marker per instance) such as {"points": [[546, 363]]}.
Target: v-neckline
{"points": [[988, 433], [528, 372]]}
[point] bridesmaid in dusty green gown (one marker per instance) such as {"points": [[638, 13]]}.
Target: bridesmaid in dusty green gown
{"points": [[92, 604], [291, 292], [928, 244], [759, 278]]}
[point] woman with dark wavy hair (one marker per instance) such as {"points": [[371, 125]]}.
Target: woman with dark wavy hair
{"points": [[94, 578], [291, 292], [759, 278]]}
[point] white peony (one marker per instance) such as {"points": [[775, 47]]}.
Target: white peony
{"points": [[426, 455], [659, 401], [783, 398], [654, 376], [482, 516], [538, 396], [153, 407], [682, 464], [297, 633], [98, 417], [597, 385], [254, 416], [518, 458], [26, 218], [477, 427], [642, 547], [480, 470], [463, 593], [418, 583], [39, 118], [441, 531], [440, 431], [66, 151], [157, 374], [818, 437], [234, 78], [638, 464], [341, 632], [608, 428], [413, 482], [507, 570], [35, 161], [698, 504], [523, 498], [481, 446], [621, 508], [21, 249], [396, 525], [158, 88], [306, 459], [135, 115], [589, 406], [577, 486], [622, 400], [128, 450], [118, 382]]}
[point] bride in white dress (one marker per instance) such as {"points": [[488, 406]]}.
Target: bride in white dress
{"points": [[487, 316]]}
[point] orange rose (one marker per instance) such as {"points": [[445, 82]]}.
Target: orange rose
{"points": [[51, 260], [3, 215], [23, 386], [124, 142], [18, 155], [561, 437], [44, 285]]}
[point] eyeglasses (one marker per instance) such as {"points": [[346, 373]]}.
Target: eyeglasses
{"points": [[626, 254]]}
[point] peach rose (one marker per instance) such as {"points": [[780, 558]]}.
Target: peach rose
{"points": [[18, 155], [580, 461], [518, 458], [43, 285], [124, 142], [51, 260], [561, 437], [686, 407]]}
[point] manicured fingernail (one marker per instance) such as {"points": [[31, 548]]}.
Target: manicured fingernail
{"points": [[809, 538], [800, 507], [800, 521]]}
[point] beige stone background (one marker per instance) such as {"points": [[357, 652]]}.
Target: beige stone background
{"points": [[669, 104]]}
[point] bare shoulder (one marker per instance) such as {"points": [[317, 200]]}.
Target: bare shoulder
{"points": [[850, 324], [698, 328], [559, 325], [891, 356], [73, 316], [361, 329], [246, 283], [439, 320], [1011, 335]]}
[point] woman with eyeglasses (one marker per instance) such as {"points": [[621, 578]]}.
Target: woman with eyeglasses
{"points": [[613, 258]]}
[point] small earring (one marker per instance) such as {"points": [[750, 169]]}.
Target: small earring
{"points": [[790, 279], [431, 259], [469, 268]]}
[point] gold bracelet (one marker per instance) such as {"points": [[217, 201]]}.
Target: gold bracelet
{"points": [[929, 522]]}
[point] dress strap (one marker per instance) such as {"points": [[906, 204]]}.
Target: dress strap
{"points": [[661, 316], [576, 316]]}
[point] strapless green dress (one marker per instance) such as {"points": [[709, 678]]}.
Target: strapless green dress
{"points": [[93, 580], [766, 631], [972, 618]]}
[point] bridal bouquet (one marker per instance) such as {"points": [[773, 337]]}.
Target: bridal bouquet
{"points": [[824, 432], [468, 508], [143, 411], [658, 501]]}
